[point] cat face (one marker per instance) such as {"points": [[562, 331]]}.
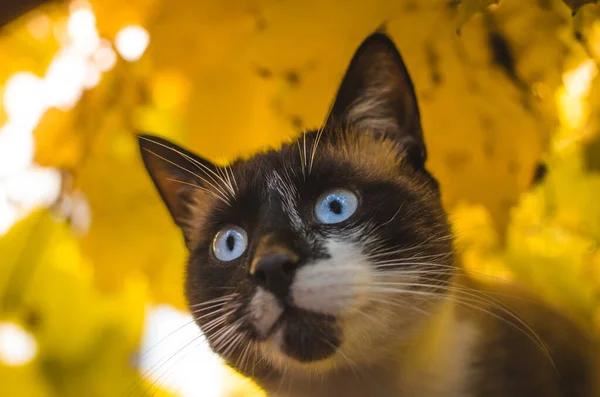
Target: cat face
{"points": [[324, 252]]}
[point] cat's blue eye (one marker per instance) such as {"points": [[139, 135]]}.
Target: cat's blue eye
{"points": [[336, 206], [230, 243]]}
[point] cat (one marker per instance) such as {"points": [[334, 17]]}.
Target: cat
{"points": [[327, 268]]}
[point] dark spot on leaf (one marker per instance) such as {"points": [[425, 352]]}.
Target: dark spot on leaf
{"points": [[453, 4], [276, 104], [544, 4], [506, 204], [488, 138], [33, 319], [539, 174], [292, 77], [513, 167], [592, 155], [457, 160], [261, 24], [433, 61], [263, 72], [411, 6], [502, 54], [575, 5], [297, 122]]}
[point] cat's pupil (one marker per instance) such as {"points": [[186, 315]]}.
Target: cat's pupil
{"points": [[230, 242], [336, 207]]}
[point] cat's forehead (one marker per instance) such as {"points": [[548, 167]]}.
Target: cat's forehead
{"points": [[300, 171], [344, 154]]}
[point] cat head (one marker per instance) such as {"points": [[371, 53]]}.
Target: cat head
{"points": [[321, 253]]}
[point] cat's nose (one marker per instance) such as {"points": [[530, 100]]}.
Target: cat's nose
{"points": [[274, 270]]}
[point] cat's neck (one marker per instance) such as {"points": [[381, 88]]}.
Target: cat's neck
{"points": [[434, 362]]}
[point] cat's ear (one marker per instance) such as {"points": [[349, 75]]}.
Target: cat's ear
{"points": [[176, 174], [377, 95]]}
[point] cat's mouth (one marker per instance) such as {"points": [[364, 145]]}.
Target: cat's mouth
{"points": [[304, 336]]}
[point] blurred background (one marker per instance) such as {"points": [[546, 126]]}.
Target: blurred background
{"points": [[91, 267]]}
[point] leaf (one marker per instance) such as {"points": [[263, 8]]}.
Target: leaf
{"points": [[468, 8], [25, 381], [82, 334], [575, 5], [229, 79], [56, 146]]}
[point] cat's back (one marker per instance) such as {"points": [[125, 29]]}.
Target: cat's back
{"points": [[529, 349]]}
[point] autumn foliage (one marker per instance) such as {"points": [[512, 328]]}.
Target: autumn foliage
{"points": [[504, 86]]}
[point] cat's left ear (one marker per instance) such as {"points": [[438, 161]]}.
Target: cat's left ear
{"points": [[178, 175], [377, 95]]}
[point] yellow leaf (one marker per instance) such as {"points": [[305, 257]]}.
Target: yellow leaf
{"points": [[575, 5], [55, 143], [468, 8]]}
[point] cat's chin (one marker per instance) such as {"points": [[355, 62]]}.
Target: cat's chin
{"points": [[302, 337]]}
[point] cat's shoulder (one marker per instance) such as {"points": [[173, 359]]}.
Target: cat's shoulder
{"points": [[528, 347]]}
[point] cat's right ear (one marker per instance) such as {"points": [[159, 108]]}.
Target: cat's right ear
{"points": [[377, 95], [176, 174]]}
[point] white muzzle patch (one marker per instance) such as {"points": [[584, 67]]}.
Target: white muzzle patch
{"points": [[336, 285], [265, 310]]}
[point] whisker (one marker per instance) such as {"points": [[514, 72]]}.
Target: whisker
{"points": [[158, 365], [220, 304], [394, 251], [475, 272], [318, 138], [184, 169], [301, 159], [207, 314], [220, 337], [233, 177], [412, 272], [146, 352], [215, 195], [135, 384], [528, 332], [470, 297], [148, 374], [228, 176], [397, 291], [224, 176], [193, 162], [222, 298], [410, 258], [162, 379], [241, 362], [234, 344], [395, 302], [476, 294], [394, 216], [283, 377], [305, 154], [190, 159]]}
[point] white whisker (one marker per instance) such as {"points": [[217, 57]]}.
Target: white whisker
{"points": [[195, 162], [220, 299]]}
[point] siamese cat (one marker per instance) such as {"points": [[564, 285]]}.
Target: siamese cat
{"points": [[326, 268]]}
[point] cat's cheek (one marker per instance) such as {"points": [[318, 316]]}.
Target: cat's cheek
{"points": [[334, 286]]}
